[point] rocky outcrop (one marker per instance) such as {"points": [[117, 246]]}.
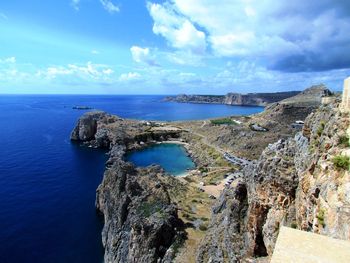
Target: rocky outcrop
{"points": [[257, 99], [294, 183], [141, 223], [250, 99], [206, 99], [86, 128]]}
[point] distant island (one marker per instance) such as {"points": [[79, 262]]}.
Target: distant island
{"points": [[82, 108], [250, 99]]}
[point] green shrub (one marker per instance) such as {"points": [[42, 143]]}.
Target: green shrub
{"points": [[203, 227], [320, 217], [203, 170], [344, 141], [321, 128], [294, 225], [222, 121], [341, 162]]}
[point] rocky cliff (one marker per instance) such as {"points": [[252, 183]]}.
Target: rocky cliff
{"points": [[250, 99], [295, 183], [141, 223]]}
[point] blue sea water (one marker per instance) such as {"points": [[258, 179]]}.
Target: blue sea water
{"points": [[172, 157], [48, 184]]}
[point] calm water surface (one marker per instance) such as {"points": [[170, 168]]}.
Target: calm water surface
{"points": [[48, 184], [172, 157]]}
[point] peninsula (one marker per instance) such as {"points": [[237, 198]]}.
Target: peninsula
{"points": [[250, 99]]}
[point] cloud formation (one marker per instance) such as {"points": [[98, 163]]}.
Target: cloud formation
{"points": [[292, 36], [109, 6], [129, 76], [176, 29], [142, 55]]}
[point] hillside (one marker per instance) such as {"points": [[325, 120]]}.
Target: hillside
{"points": [[250, 99]]}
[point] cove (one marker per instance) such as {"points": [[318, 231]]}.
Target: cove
{"points": [[172, 158]]}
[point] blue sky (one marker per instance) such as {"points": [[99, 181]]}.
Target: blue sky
{"points": [[173, 46]]}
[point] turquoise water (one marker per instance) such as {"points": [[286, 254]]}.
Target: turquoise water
{"points": [[171, 157]]}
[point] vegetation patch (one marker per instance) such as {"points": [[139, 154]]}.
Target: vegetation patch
{"points": [[344, 141], [203, 227], [294, 225], [223, 121], [320, 217], [320, 128], [341, 162], [149, 208]]}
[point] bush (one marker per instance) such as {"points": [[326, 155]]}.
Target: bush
{"points": [[341, 162], [203, 227], [222, 121], [294, 225], [321, 128], [344, 141], [320, 217]]}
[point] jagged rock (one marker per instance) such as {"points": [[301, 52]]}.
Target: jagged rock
{"points": [[294, 184], [86, 127], [140, 221], [252, 99]]}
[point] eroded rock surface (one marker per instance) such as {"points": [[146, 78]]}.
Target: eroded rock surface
{"points": [[141, 223], [294, 183]]}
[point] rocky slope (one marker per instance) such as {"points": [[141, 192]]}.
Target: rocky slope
{"points": [[250, 99], [294, 183], [140, 221]]}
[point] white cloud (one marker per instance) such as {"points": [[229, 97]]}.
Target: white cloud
{"points": [[95, 52], [129, 76], [90, 71], [289, 36], [142, 55], [109, 6], [179, 31], [75, 4], [9, 60]]}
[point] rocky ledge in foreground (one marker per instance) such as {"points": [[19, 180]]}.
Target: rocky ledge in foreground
{"points": [[140, 222]]}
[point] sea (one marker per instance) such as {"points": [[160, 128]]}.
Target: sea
{"points": [[48, 184]]}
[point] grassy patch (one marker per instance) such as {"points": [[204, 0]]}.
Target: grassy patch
{"points": [[341, 162], [344, 141], [149, 208], [320, 217], [223, 121], [320, 128]]}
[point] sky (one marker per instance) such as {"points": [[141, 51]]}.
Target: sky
{"points": [[172, 46]]}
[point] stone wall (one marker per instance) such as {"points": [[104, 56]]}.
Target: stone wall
{"points": [[345, 106]]}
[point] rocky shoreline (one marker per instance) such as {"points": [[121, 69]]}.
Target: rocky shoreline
{"points": [[151, 217], [250, 99]]}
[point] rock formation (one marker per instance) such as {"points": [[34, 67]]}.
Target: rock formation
{"points": [[140, 222], [294, 183], [250, 99]]}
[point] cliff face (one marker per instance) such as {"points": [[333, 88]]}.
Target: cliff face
{"points": [[140, 222], [294, 183], [250, 99]]}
